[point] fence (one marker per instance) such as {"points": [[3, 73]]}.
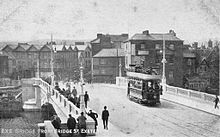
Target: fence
{"points": [[121, 81]]}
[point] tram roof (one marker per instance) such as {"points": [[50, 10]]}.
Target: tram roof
{"points": [[143, 76]]}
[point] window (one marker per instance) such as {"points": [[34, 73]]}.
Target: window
{"points": [[171, 59], [157, 46], [142, 46], [171, 46], [103, 71], [103, 62], [189, 62], [171, 74]]}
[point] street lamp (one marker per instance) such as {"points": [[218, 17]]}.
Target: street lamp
{"points": [[82, 102], [164, 63], [52, 62]]}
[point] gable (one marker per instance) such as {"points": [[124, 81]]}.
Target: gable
{"points": [[7, 49], [32, 48], [45, 48], [88, 48], [19, 48]]}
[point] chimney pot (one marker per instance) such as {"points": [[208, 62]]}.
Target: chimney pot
{"points": [[146, 32], [172, 32]]}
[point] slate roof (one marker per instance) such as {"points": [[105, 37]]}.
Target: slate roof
{"points": [[155, 36], [96, 40], [82, 47], [26, 47], [110, 53], [115, 38]]}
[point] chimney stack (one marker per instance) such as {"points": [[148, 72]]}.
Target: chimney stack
{"points": [[146, 32], [172, 32], [99, 35]]}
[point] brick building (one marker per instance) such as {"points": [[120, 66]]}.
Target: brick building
{"points": [[106, 65], [107, 41], [145, 49], [28, 58]]}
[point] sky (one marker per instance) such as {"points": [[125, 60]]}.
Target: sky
{"points": [[25, 20]]}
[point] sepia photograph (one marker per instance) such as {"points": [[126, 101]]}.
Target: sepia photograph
{"points": [[109, 68]]}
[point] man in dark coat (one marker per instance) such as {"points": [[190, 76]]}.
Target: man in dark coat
{"points": [[82, 124], [86, 98], [216, 102], [71, 124], [105, 115], [74, 92], [94, 116]]}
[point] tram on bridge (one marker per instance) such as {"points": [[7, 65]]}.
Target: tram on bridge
{"points": [[144, 88]]}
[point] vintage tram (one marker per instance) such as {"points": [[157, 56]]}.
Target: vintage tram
{"points": [[144, 88]]}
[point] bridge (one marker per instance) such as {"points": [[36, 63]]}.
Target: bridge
{"points": [[36, 92]]}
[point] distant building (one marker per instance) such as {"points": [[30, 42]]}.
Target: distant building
{"points": [[145, 49], [107, 65], [107, 41], [4, 66], [206, 76], [28, 59], [85, 59]]}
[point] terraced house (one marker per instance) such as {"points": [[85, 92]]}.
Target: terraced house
{"points": [[31, 59]]}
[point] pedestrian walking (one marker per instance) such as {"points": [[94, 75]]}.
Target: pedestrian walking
{"points": [[128, 90], [94, 116], [74, 92], [216, 102], [86, 98], [71, 124], [105, 115], [82, 124]]}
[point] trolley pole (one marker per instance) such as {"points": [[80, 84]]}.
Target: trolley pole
{"points": [[82, 102], [164, 63]]}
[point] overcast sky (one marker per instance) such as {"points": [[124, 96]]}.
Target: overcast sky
{"points": [[192, 20]]}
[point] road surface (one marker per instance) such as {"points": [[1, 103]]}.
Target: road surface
{"points": [[135, 120]]}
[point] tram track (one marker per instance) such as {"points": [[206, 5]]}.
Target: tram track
{"points": [[169, 121]]}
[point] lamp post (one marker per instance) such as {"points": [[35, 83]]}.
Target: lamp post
{"points": [[120, 74], [52, 61], [82, 102], [164, 63]]}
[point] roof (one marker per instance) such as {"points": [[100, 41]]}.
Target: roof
{"points": [[58, 47], [121, 38], [155, 36], [110, 53], [141, 37], [96, 40], [82, 47], [25, 46], [9, 54]]}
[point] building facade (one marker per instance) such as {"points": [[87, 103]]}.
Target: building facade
{"points": [[107, 65], [146, 49], [107, 41], [34, 60]]}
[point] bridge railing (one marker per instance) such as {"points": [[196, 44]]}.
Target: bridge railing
{"points": [[67, 106], [122, 81], [190, 93]]}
